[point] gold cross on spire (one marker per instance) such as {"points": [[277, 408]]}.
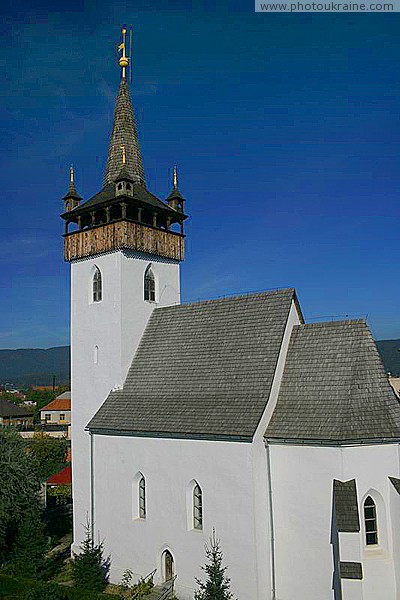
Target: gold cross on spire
{"points": [[175, 178], [123, 155]]}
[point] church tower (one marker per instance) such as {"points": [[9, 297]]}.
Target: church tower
{"points": [[125, 246]]}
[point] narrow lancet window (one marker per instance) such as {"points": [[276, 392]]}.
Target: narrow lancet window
{"points": [[149, 285], [371, 524], [197, 507], [142, 498], [97, 286]]}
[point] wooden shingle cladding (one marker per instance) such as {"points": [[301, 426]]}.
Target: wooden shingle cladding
{"points": [[334, 388], [218, 383], [122, 235], [346, 506]]}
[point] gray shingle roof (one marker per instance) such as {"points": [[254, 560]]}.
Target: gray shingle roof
{"points": [[334, 387], [351, 570], [201, 370], [396, 483], [346, 506]]}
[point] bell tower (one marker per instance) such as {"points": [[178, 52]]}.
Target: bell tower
{"points": [[124, 245]]}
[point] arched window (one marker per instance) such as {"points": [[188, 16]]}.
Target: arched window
{"points": [[97, 287], [370, 520], [149, 285], [197, 507], [142, 498]]}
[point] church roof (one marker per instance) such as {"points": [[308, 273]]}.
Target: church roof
{"points": [[140, 194], [202, 370], [334, 387], [124, 140]]}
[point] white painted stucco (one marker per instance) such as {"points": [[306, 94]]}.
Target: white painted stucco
{"points": [[243, 498], [104, 338], [302, 479]]}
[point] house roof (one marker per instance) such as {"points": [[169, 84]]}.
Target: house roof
{"points": [[62, 402], [201, 370], [64, 396], [334, 388], [9, 409], [346, 506], [63, 477]]}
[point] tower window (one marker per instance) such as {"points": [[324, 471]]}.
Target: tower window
{"points": [[97, 286], [197, 507], [142, 498], [370, 521], [149, 285]]}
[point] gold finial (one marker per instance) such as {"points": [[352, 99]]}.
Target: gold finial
{"points": [[124, 60], [123, 155], [71, 175], [175, 178]]}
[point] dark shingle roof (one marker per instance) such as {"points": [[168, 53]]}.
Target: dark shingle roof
{"points": [[351, 570], [9, 409], [108, 193], [124, 133], [334, 388], [203, 369], [346, 506], [396, 483]]}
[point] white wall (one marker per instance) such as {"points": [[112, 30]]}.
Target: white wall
{"points": [[302, 506], [372, 465], [55, 416], [115, 325], [225, 474]]}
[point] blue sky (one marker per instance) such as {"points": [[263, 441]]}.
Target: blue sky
{"points": [[285, 129]]}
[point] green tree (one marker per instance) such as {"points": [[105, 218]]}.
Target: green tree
{"points": [[48, 454], [19, 487], [46, 591], [216, 586], [89, 568], [31, 545], [14, 398]]}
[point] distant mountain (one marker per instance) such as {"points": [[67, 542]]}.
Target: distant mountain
{"points": [[35, 366], [390, 353]]}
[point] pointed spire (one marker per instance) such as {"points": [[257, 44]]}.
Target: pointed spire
{"points": [[175, 199], [124, 132], [71, 198]]}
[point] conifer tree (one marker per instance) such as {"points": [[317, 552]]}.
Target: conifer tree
{"points": [[31, 545], [216, 586], [89, 568]]}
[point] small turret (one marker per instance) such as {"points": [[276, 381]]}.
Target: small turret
{"points": [[71, 199], [175, 200]]}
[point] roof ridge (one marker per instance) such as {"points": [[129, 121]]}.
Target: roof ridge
{"points": [[273, 291], [332, 323]]}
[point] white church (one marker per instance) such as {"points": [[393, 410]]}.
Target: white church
{"points": [[231, 414]]}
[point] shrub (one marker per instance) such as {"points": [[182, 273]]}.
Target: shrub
{"points": [[46, 591]]}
